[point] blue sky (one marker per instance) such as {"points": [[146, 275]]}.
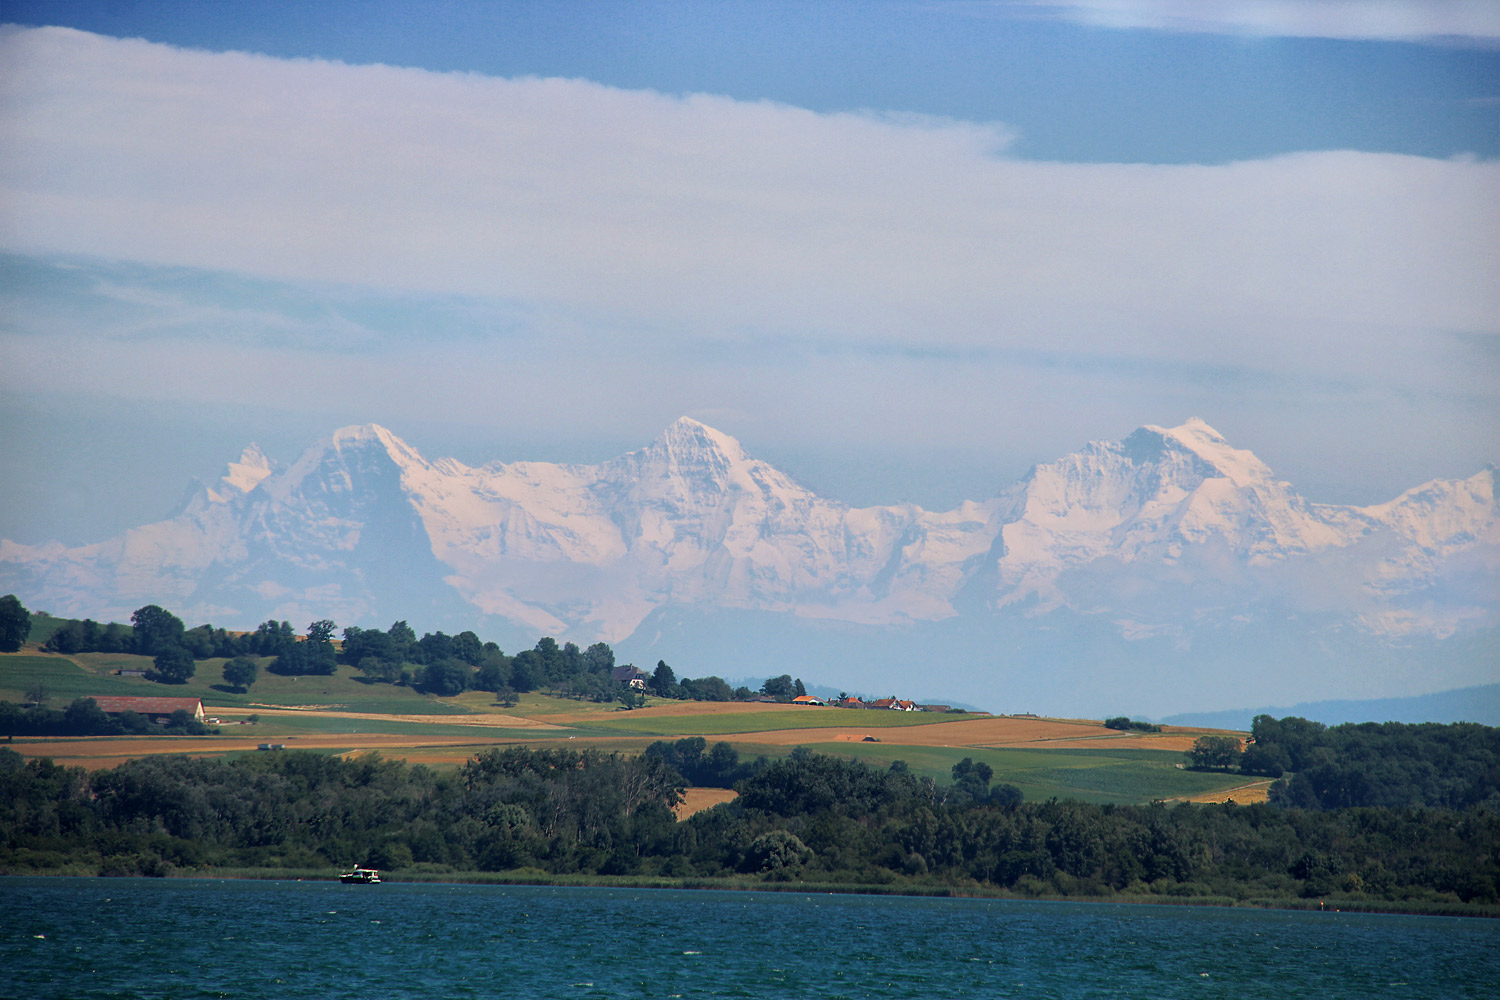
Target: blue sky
{"points": [[903, 250]]}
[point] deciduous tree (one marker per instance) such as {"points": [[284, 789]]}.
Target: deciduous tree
{"points": [[15, 623], [156, 629], [1214, 752], [779, 687], [172, 665], [241, 672]]}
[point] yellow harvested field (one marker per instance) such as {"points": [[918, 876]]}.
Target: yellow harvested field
{"points": [[1245, 795], [698, 799], [107, 751], [429, 756], [834, 726], [990, 731]]}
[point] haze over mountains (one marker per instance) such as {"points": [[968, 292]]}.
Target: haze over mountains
{"points": [[1168, 571]]}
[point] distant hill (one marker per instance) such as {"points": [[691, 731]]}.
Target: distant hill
{"points": [[1472, 704]]}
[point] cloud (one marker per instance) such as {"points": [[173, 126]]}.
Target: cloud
{"points": [[547, 256], [704, 218], [1389, 20]]}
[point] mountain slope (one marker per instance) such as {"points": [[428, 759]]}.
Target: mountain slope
{"points": [[1170, 535], [1475, 704]]}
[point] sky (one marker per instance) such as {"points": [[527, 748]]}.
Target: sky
{"points": [[902, 250]]}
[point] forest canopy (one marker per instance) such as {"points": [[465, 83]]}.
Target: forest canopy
{"points": [[807, 817]]}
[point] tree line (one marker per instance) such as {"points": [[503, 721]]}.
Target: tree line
{"points": [[436, 663], [84, 717], [807, 817], [1383, 764]]}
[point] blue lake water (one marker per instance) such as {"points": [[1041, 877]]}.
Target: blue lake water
{"points": [[138, 938]]}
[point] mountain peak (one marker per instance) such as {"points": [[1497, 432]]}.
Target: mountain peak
{"points": [[246, 473], [687, 438], [357, 436], [361, 434], [1167, 557], [240, 477], [1239, 466]]}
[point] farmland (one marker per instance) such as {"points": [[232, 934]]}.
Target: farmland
{"points": [[345, 714]]}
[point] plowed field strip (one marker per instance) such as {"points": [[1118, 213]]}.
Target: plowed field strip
{"points": [[495, 719], [107, 751], [989, 732]]}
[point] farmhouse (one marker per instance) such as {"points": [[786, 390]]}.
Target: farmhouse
{"points": [[630, 675], [158, 710], [807, 699], [892, 704]]}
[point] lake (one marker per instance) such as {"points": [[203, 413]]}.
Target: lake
{"points": [[187, 938]]}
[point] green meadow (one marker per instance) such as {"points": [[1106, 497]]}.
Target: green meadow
{"points": [[85, 674], [1105, 775], [1118, 776]]}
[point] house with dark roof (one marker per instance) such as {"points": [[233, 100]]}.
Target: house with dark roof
{"points": [[158, 710], [629, 674]]}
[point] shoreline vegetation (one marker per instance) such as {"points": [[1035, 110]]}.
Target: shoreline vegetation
{"points": [[1369, 817], [1334, 904], [808, 823]]}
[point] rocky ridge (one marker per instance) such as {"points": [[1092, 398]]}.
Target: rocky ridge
{"points": [[1156, 532]]}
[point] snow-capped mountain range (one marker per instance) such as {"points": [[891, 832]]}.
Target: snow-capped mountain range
{"points": [[1160, 536]]}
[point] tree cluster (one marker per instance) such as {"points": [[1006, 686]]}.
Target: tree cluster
{"points": [[1127, 724], [15, 623], [807, 817], [436, 663], [173, 648], [783, 688], [84, 717], [701, 767], [1389, 764], [1214, 753]]}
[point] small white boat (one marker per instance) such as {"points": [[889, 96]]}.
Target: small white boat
{"points": [[361, 876]]}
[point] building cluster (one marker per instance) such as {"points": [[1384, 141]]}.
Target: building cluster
{"points": [[637, 678], [891, 704]]}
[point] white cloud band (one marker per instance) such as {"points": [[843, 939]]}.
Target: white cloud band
{"points": [[701, 216], [1391, 20]]}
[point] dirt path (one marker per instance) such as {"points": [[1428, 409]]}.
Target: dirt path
{"points": [[107, 751]]}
